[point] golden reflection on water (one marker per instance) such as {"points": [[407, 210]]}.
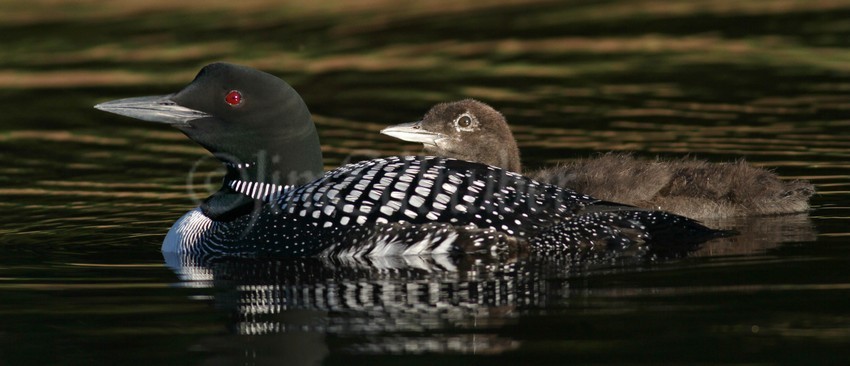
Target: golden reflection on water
{"points": [[505, 57]]}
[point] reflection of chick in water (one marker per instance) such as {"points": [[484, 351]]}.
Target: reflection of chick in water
{"points": [[758, 233], [473, 131]]}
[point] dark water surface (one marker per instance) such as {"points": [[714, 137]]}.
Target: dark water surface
{"points": [[88, 197]]}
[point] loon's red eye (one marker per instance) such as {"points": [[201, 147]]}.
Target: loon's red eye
{"points": [[233, 97]]}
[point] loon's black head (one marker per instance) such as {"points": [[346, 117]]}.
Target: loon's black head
{"points": [[251, 120], [467, 130]]}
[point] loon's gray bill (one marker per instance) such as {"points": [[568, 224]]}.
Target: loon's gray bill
{"points": [[156, 108]]}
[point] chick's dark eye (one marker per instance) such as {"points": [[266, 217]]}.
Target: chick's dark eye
{"points": [[464, 121], [233, 97]]}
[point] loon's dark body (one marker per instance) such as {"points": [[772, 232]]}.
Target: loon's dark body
{"points": [[416, 205], [261, 129]]}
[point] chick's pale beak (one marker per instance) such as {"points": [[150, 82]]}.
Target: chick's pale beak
{"points": [[413, 132], [158, 108]]}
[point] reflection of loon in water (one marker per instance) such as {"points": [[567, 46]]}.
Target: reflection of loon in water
{"points": [[312, 307], [386, 305]]}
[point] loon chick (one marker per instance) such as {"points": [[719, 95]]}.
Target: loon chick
{"points": [[276, 201], [474, 131]]}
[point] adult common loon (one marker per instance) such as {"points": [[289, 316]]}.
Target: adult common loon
{"points": [[474, 131], [276, 201]]}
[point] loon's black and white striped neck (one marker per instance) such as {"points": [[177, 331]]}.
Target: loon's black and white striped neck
{"points": [[267, 169], [241, 195], [258, 190]]}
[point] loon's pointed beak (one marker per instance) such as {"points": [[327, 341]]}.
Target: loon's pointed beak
{"points": [[157, 108], [413, 132]]}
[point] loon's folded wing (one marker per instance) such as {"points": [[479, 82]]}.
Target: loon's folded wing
{"points": [[616, 232], [406, 239]]}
